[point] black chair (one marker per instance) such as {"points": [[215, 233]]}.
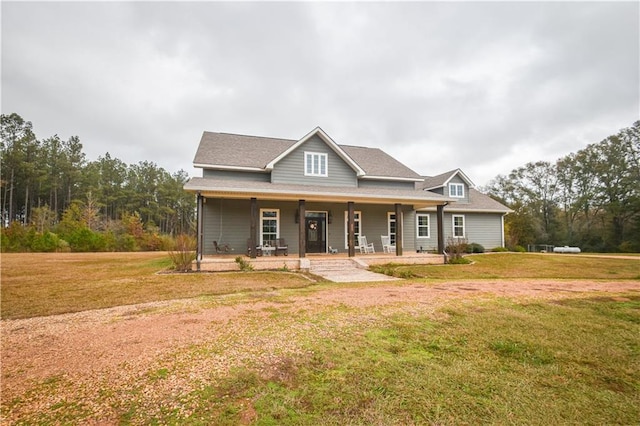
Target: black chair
{"points": [[281, 246], [258, 249]]}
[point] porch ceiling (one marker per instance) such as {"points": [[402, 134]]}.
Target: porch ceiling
{"points": [[214, 188]]}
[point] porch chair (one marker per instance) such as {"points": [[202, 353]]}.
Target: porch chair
{"points": [[364, 246], [281, 246], [258, 248], [387, 247]]}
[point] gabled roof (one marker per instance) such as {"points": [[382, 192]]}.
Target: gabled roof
{"points": [[228, 151], [434, 182], [334, 146]]}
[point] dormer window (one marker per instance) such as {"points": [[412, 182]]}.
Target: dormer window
{"points": [[315, 164], [456, 190]]}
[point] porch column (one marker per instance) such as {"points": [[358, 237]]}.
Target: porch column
{"points": [[351, 229], [302, 235], [200, 231], [253, 227], [440, 220], [398, 229]]}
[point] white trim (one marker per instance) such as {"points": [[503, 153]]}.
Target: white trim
{"points": [[455, 172], [346, 227], [277, 218], [392, 236], [221, 167], [334, 146], [397, 179], [456, 185], [320, 156], [428, 216], [236, 189], [453, 226]]}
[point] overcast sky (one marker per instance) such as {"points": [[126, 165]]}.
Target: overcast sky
{"points": [[485, 87]]}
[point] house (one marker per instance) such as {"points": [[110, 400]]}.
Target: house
{"points": [[474, 216], [317, 194]]}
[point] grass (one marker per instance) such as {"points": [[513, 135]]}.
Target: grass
{"points": [[479, 360], [37, 284], [524, 265], [496, 362]]}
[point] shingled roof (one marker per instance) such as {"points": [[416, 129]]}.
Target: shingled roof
{"points": [[230, 150], [225, 150], [432, 182]]}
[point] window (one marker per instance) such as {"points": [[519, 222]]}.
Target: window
{"points": [[422, 225], [356, 226], [269, 225], [456, 190], [315, 164], [391, 227], [458, 226]]}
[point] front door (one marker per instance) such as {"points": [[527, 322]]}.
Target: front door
{"points": [[316, 230]]}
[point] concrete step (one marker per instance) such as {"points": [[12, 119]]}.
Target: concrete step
{"points": [[345, 270], [332, 265]]}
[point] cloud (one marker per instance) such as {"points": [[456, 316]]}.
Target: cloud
{"points": [[481, 86]]}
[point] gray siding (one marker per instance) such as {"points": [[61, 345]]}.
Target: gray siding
{"points": [[439, 191], [236, 175], [481, 228], [291, 168], [456, 179], [385, 184], [228, 222], [484, 229]]}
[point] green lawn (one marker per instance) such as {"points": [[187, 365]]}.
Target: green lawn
{"points": [[470, 360], [525, 265]]}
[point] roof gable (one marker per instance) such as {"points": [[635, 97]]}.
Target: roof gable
{"points": [[442, 180], [227, 151], [326, 139]]}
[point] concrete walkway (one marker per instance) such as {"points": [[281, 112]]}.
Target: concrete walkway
{"points": [[345, 270]]}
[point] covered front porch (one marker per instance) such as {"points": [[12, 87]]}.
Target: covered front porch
{"points": [[311, 219]]}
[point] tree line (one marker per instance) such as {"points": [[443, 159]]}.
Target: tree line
{"points": [[53, 198], [589, 199], [51, 194]]}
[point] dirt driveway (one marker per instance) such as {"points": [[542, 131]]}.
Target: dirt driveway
{"points": [[109, 345]]}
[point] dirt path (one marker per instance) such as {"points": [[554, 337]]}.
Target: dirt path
{"points": [[86, 344]]}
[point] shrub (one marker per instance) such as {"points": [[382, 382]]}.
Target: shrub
{"points": [[474, 248], [45, 242], [243, 264], [628, 247], [499, 249], [456, 247], [85, 240], [519, 249], [16, 238], [183, 253]]}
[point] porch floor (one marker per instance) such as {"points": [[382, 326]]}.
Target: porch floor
{"points": [[338, 264]]}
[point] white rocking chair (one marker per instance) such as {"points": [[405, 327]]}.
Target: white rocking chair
{"points": [[364, 246], [387, 247]]}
